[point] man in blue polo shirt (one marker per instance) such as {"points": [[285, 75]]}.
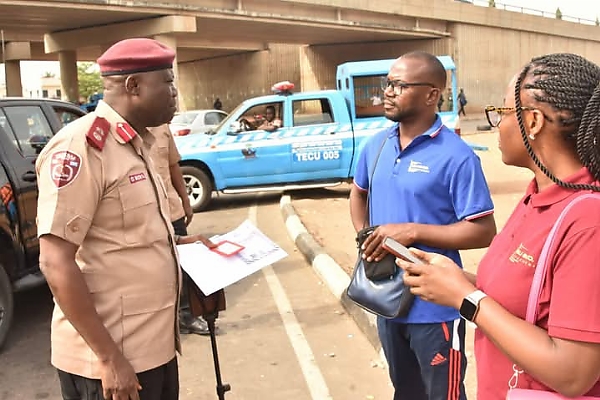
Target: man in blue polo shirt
{"points": [[426, 189]]}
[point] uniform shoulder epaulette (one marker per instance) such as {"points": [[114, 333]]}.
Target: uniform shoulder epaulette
{"points": [[125, 131], [96, 136]]}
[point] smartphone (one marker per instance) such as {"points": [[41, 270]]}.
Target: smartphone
{"points": [[400, 251]]}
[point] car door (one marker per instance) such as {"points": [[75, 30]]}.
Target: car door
{"points": [[318, 142], [27, 126], [256, 157]]}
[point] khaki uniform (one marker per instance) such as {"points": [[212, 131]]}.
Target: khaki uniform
{"points": [[111, 203], [164, 153]]}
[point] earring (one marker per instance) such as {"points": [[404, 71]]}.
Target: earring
{"points": [[531, 137]]}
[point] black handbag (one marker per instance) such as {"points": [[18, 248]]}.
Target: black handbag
{"points": [[375, 270], [378, 287]]}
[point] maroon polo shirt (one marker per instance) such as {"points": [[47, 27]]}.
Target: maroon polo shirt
{"points": [[569, 306]]}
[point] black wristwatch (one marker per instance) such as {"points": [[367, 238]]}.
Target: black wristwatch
{"points": [[470, 305]]}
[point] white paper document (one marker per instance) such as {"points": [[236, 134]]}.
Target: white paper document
{"points": [[211, 271]]}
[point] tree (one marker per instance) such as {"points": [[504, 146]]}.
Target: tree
{"points": [[597, 21], [558, 13], [48, 74], [89, 79], [492, 3]]}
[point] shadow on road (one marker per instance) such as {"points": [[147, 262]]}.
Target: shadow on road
{"points": [[33, 311], [338, 192]]}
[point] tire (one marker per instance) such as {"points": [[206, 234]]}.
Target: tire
{"points": [[199, 187], [6, 305]]}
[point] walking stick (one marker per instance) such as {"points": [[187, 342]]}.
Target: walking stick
{"points": [[208, 307]]}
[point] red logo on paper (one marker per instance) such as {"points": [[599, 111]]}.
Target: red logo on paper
{"points": [[137, 177], [64, 167]]}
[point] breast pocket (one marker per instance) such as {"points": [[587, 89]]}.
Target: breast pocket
{"points": [[142, 222]]}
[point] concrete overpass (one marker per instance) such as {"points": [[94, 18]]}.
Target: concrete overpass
{"points": [[237, 48]]}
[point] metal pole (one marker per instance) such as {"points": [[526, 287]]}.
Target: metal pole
{"points": [[221, 388]]}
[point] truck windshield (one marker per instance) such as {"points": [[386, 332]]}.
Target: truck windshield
{"points": [[368, 96]]}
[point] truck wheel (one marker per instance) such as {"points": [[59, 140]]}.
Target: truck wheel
{"points": [[199, 187], [6, 305]]}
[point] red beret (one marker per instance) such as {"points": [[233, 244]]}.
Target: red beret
{"points": [[136, 55]]}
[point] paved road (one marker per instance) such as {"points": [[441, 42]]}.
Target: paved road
{"points": [[283, 336]]}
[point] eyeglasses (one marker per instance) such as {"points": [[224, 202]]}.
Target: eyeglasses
{"points": [[398, 86], [494, 114]]}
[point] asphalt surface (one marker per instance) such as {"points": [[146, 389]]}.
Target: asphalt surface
{"points": [[283, 335]]}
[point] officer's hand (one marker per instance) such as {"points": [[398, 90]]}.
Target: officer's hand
{"points": [[119, 381], [402, 233], [205, 241], [189, 214]]}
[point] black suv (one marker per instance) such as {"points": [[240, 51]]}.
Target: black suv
{"points": [[26, 125]]}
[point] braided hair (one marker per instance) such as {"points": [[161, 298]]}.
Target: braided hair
{"points": [[571, 85]]}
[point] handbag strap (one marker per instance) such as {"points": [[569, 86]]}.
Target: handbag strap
{"points": [[542, 264], [539, 274], [367, 208]]}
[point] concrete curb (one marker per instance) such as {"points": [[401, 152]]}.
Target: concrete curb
{"points": [[336, 279]]}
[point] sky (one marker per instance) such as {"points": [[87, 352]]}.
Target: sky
{"points": [[586, 9]]}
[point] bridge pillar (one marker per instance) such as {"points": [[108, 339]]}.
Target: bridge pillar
{"points": [[12, 69], [171, 41], [309, 79], [68, 75]]}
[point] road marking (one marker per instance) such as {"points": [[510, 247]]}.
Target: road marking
{"points": [[312, 374]]}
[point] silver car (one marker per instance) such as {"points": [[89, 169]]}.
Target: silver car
{"points": [[196, 121]]}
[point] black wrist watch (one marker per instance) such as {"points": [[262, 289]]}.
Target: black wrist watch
{"points": [[470, 305]]}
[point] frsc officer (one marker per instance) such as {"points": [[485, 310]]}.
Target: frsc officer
{"points": [[106, 241]]}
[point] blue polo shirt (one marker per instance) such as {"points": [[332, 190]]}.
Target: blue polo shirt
{"points": [[436, 180]]}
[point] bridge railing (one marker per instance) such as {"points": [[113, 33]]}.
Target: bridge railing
{"points": [[531, 11]]}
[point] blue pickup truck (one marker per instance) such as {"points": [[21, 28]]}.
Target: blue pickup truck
{"points": [[316, 144]]}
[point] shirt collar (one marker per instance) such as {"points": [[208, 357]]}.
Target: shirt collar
{"points": [[555, 193], [432, 132], [116, 124]]}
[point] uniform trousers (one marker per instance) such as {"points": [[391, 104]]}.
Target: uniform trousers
{"points": [[160, 383]]}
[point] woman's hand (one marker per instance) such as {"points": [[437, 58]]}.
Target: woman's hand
{"points": [[439, 280]]}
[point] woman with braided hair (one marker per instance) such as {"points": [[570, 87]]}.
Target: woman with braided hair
{"points": [[550, 124]]}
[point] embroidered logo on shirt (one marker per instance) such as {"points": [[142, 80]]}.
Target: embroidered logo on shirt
{"points": [[64, 168], [521, 256], [416, 166], [137, 177]]}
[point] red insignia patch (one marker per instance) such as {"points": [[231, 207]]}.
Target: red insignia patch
{"points": [[64, 167], [125, 131], [96, 136], [137, 177]]}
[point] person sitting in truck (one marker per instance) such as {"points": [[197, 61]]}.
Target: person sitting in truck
{"points": [[271, 123]]}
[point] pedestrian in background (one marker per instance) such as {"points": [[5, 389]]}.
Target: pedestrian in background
{"points": [[462, 102]]}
